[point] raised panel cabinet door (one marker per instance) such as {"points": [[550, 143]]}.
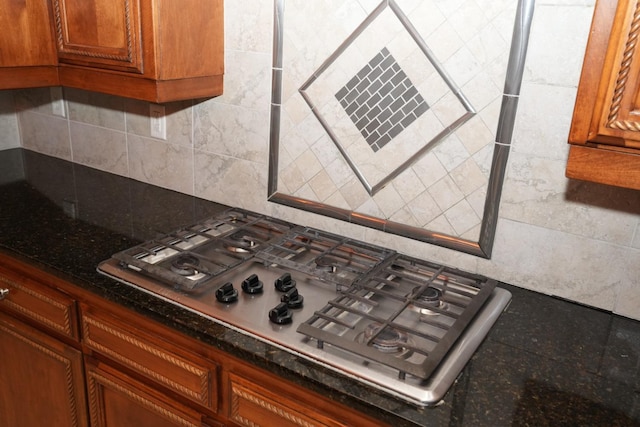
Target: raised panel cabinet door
{"points": [[41, 379], [27, 49], [116, 400], [99, 33], [618, 122], [605, 128]]}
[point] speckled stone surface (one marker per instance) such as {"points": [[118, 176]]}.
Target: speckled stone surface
{"points": [[547, 362]]}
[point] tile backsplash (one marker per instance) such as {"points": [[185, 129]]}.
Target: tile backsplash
{"points": [[576, 240]]}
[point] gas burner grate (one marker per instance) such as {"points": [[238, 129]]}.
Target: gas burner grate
{"points": [[427, 306], [331, 258], [195, 254]]}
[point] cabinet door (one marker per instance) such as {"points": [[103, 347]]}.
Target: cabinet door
{"points": [[617, 122], [257, 399], [27, 49], [605, 130], [100, 33], [116, 400], [42, 379]]}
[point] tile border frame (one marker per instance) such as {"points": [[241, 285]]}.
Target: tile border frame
{"points": [[513, 81]]}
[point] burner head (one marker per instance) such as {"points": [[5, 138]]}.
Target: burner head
{"points": [[324, 263], [387, 340], [240, 241], [185, 265], [431, 296]]}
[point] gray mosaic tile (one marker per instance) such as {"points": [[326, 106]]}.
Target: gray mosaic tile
{"points": [[381, 100]]}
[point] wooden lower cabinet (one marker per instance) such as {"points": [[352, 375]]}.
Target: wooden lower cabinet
{"points": [[41, 379], [257, 398], [70, 358], [116, 400]]}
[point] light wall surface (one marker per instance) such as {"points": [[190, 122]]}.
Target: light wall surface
{"points": [[9, 135], [572, 239]]}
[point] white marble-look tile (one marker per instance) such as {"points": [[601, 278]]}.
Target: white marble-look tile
{"points": [[445, 193], [8, 122], [33, 100], [354, 193], [558, 263], [231, 181], [544, 135], [424, 208], [99, 148], [636, 237], [537, 193], [628, 301], [389, 201], [322, 186], [429, 169], [45, 134], [462, 218], [408, 185], [247, 80], [165, 165], [475, 135], [247, 25], [95, 108], [231, 131], [557, 44], [178, 117], [468, 177]]}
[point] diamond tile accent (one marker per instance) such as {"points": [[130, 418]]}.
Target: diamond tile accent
{"points": [[381, 100]]}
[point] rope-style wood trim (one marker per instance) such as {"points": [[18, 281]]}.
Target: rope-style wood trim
{"points": [[239, 392], [60, 36], [623, 77], [73, 406], [201, 395], [96, 413], [64, 328]]}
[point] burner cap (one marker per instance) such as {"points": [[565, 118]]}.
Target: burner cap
{"points": [[241, 241], [431, 296], [185, 265], [324, 263], [389, 340]]}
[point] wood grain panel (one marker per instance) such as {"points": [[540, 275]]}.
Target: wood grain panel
{"points": [[190, 377], [45, 306]]}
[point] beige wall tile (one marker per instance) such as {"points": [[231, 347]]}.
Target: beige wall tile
{"points": [[8, 122], [95, 108], [99, 148], [45, 134], [165, 165]]}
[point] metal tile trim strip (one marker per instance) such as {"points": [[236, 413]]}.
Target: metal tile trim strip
{"points": [[513, 81]]}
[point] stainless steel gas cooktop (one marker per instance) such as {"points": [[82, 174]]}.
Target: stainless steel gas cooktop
{"points": [[403, 325]]}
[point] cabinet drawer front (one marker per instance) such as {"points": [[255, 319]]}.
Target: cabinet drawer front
{"points": [[49, 308], [253, 406], [190, 377]]}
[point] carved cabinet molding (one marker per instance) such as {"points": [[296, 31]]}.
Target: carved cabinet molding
{"points": [[605, 130]]}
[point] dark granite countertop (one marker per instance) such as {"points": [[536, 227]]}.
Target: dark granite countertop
{"points": [[547, 362]]}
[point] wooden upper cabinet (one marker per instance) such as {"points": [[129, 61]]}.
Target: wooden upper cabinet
{"points": [[101, 34], [27, 49], [155, 50], [605, 131]]}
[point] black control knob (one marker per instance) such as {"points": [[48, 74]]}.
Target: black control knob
{"points": [[252, 285], [292, 298], [281, 314], [227, 293], [284, 283]]}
